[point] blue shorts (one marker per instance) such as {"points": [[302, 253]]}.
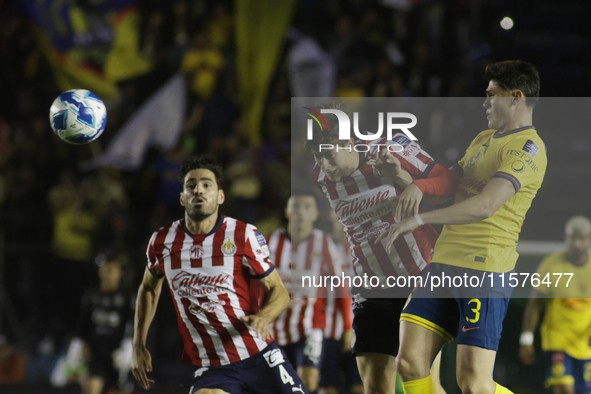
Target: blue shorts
{"points": [[338, 369], [300, 356], [375, 325], [267, 372], [564, 369], [472, 314]]}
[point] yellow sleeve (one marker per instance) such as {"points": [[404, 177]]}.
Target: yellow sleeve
{"points": [[522, 162]]}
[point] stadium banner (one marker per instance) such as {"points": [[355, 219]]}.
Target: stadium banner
{"points": [[261, 28], [92, 46], [157, 123], [369, 161]]}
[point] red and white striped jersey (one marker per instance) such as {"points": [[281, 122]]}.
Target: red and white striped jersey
{"points": [[361, 203], [338, 310], [316, 257], [209, 277]]}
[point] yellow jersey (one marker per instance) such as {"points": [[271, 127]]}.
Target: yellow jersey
{"points": [[518, 156], [567, 322]]}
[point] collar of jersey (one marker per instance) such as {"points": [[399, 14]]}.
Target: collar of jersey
{"points": [[499, 135], [215, 228]]}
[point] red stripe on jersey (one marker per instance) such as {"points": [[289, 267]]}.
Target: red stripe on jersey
{"points": [[218, 241], [240, 238], [426, 237], [309, 250], [331, 187], [191, 352], [287, 320], [279, 250], [372, 180], [222, 332], [177, 245], [403, 250], [241, 327], [205, 337], [158, 246], [358, 253], [301, 319], [380, 253], [350, 185]]}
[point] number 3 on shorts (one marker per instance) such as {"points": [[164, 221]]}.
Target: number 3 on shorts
{"points": [[285, 376], [475, 310]]}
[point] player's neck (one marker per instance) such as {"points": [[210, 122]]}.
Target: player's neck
{"points": [[524, 120], [578, 262], [298, 234], [107, 287], [203, 226]]}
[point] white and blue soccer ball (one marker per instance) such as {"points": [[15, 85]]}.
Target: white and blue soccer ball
{"points": [[78, 116]]}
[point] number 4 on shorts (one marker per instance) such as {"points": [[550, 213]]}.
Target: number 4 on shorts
{"points": [[285, 376]]}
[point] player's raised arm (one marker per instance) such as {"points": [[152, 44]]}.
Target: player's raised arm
{"points": [[147, 302], [277, 300]]}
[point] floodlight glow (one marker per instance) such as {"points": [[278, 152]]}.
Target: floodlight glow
{"points": [[507, 23]]}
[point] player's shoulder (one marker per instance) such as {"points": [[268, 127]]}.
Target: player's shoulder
{"points": [[167, 227], [553, 260], [527, 140]]}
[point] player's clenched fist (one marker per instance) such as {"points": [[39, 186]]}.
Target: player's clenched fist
{"points": [[141, 363], [386, 163]]}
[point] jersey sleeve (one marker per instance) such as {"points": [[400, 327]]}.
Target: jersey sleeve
{"points": [[256, 254], [154, 254], [413, 158], [522, 162]]}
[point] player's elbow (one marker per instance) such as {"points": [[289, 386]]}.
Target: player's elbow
{"points": [[485, 210]]}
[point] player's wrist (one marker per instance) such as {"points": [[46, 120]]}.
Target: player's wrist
{"points": [[526, 338], [419, 220]]}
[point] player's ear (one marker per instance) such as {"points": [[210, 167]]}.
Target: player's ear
{"points": [[221, 197], [181, 199]]}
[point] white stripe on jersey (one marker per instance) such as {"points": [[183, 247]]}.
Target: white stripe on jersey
{"points": [[303, 312], [200, 271]]}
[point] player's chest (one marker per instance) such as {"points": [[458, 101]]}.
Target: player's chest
{"points": [[196, 253], [483, 160]]}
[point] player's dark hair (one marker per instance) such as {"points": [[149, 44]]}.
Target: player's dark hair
{"points": [[199, 162], [516, 75], [330, 136]]}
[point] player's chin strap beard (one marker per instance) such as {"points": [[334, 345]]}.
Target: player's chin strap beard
{"points": [[199, 217]]}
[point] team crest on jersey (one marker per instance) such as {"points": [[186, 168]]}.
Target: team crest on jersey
{"points": [[228, 247], [474, 160], [196, 251]]}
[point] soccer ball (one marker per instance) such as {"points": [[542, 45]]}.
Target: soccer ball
{"points": [[78, 116]]}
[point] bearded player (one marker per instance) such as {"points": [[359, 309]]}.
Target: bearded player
{"points": [[211, 263]]}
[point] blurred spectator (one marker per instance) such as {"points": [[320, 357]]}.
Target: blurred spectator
{"points": [[201, 65], [12, 364]]}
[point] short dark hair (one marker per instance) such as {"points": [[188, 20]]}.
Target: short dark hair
{"points": [[516, 75], [198, 162], [330, 136]]}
